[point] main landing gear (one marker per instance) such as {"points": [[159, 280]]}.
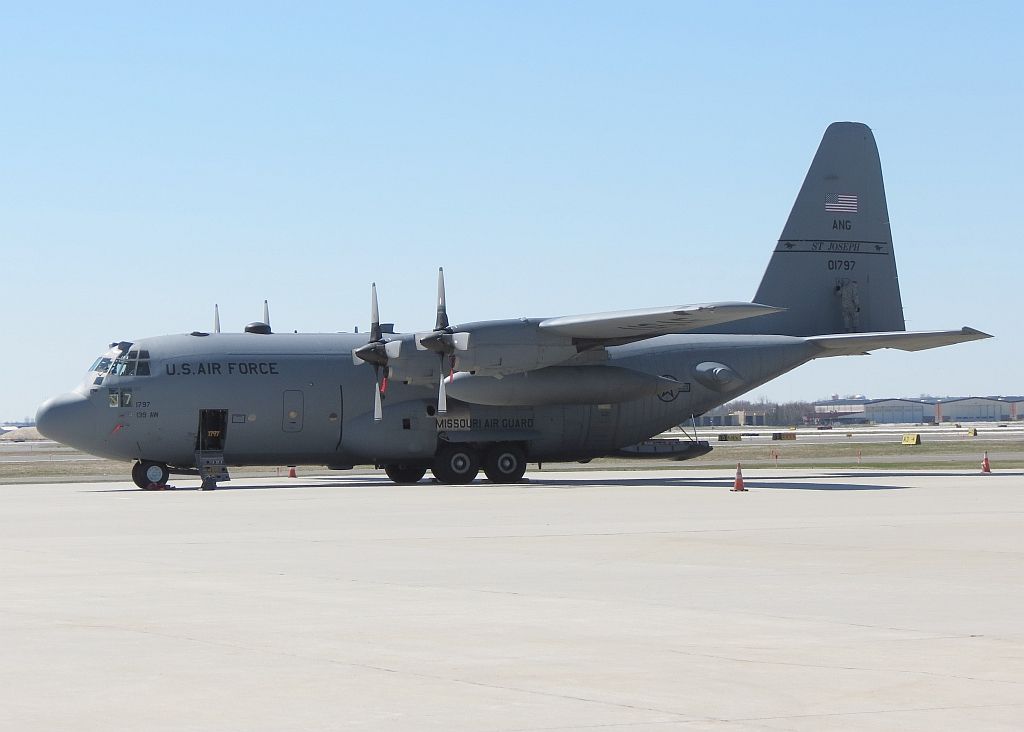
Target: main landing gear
{"points": [[405, 474], [456, 464], [459, 463], [504, 463]]}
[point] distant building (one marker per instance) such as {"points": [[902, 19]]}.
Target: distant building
{"points": [[976, 409], [846, 411], [733, 419], [1016, 407], [900, 411], [921, 411]]}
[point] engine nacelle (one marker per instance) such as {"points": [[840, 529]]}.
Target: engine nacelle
{"points": [[495, 348], [511, 346]]}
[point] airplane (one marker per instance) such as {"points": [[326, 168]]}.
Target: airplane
{"points": [[504, 393]]}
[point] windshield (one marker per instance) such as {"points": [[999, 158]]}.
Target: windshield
{"points": [[101, 364], [135, 363], [120, 360]]}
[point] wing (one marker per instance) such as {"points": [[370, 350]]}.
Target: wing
{"points": [[851, 344], [633, 325]]}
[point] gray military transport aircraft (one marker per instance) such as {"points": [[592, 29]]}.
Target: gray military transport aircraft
{"points": [[506, 392]]}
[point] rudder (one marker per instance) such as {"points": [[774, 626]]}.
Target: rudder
{"points": [[833, 268]]}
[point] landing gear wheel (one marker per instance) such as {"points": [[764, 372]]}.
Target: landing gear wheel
{"points": [[505, 464], [405, 474], [146, 472], [456, 464]]}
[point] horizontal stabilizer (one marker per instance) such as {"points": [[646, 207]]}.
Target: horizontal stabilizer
{"points": [[631, 325], [851, 344]]}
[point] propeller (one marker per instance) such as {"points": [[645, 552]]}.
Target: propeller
{"points": [[375, 352], [266, 313], [216, 318], [441, 342]]}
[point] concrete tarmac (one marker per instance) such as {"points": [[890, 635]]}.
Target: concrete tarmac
{"points": [[620, 600]]}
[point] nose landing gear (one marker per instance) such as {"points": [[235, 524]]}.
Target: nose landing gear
{"points": [[146, 473]]}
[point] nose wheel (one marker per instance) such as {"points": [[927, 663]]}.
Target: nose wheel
{"points": [[146, 473]]}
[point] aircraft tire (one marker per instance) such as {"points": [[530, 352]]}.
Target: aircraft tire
{"points": [[505, 464], [456, 464], [405, 474], [147, 472]]}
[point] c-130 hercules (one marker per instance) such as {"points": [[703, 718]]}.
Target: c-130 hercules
{"points": [[506, 392]]}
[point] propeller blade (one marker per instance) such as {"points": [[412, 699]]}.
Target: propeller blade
{"points": [[442, 395], [266, 313], [216, 318], [375, 332], [442, 311], [378, 409]]}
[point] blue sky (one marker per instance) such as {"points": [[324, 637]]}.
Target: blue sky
{"points": [[555, 158]]}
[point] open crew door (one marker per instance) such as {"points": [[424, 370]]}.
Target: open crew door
{"points": [[210, 440]]}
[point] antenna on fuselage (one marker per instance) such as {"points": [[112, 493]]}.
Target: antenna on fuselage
{"points": [[216, 318], [261, 327]]}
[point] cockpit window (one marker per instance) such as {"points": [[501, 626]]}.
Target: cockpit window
{"points": [[121, 360]]}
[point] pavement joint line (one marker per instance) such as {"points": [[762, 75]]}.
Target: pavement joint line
{"points": [[905, 710], [371, 667], [756, 661], [609, 725]]}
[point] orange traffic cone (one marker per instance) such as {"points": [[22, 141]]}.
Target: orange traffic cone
{"points": [[738, 485], [291, 472], [986, 469]]}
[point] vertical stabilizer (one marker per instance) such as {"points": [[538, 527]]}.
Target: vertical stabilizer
{"points": [[833, 269]]}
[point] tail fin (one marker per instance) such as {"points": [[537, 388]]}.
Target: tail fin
{"points": [[833, 269]]}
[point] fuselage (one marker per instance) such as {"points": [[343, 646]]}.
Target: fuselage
{"points": [[302, 399]]}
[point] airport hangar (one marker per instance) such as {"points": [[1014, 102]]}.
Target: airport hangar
{"points": [[926, 410]]}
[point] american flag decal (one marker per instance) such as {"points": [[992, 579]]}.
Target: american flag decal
{"points": [[840, 203]]}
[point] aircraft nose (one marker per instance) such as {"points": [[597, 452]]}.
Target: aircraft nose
{"points": [[64, 418]]}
